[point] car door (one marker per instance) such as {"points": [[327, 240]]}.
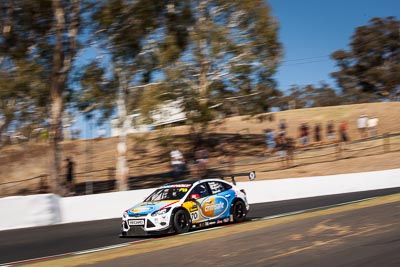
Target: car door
{"points": [[195, 200], [221, 198]]}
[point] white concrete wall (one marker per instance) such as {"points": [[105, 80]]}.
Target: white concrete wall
{"points": [[292, 188], [29, 211], [100, 206], [37, 210]]}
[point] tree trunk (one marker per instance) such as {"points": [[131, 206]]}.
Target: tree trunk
{"points": [[55, 138], [203, 83], [202, 46], [56, 100], [62, 62], [122, 169]]}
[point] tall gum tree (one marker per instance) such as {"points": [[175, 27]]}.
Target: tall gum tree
{"points": [[43, 35], [232, 53], [199, 51], [123, 29], [66, 25]]}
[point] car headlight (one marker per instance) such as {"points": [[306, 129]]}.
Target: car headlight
{"points": [[160, 212], [125, 215]]}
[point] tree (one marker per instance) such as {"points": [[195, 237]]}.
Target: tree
{"points": [[23, 98], [41, 35], [199, 51], [310, 96], [369, 71], [23, 89], [123, 30], [231, 51]]}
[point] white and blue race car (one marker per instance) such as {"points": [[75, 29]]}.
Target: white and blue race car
{"points": [[180, 206]]}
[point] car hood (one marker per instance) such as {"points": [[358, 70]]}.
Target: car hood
{"points": [[145, 208]]}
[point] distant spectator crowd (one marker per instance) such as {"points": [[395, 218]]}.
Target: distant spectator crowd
{"points": [[278, 141]]}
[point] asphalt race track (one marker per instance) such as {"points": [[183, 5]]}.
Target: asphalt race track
{"points": [[31, 243], [341, 236]]}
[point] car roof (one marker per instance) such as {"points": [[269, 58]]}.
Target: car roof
{"points": [[191, 182]]}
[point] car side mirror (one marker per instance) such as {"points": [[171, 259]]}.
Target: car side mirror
{"points": [[194, 196]]}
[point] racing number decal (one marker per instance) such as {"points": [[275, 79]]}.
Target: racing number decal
{"points": [[194, 216], [193, 209]]}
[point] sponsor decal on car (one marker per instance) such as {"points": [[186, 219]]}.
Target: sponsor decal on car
{"points": [[143, 209], [214, 206], [149, 207], [193, 208], [136, 222], [177, 186]]}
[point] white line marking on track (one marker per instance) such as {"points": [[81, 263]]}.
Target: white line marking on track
{"points": [[101, 249]]}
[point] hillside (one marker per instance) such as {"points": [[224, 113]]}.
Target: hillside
{"points": [[148, 153]]}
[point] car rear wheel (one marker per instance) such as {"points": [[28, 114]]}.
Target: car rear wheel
{"points": [[238, 211], [181, 222]]}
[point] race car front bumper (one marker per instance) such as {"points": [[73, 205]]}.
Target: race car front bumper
{"points": [[145, 226]]}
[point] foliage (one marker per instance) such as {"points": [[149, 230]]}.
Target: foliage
{"points": [[228, 63], [203, 52], [38, 45], [309, 96], [369, 71], [23, 97], [24, 65], [97, 91]]}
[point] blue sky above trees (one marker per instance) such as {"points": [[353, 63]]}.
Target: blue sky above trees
{"points": [[311, 30]]}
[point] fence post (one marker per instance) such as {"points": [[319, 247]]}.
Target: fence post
{"points": [[111, 176], [338, 150], [89, 185], [43, 184], [386, 142]]}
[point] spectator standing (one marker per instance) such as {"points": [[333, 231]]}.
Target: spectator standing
{"points": [[226, 156], [201, 159], [177, 163], [344, 138], [362, 122], [317, 133], [291, 146], [282, 127], [373, 126], [270, 141], [281, 146], [304, 134], [223, 152], [70, 175], [330, 130]]}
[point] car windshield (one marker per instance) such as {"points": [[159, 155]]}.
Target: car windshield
{"points": [[168, 193]]}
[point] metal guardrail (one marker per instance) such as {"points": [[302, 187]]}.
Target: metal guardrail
{"points": [[40, 185]]}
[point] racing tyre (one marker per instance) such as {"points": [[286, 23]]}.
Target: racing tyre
{"points": [[238, 211], [181, 222]]}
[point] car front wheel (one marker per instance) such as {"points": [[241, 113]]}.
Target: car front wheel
{"points": [[181, 222]]}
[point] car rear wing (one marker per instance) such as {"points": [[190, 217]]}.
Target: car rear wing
{"points": [[251, 175]]}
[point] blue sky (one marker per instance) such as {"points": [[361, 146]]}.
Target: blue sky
{"points": [[310, 30]]}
